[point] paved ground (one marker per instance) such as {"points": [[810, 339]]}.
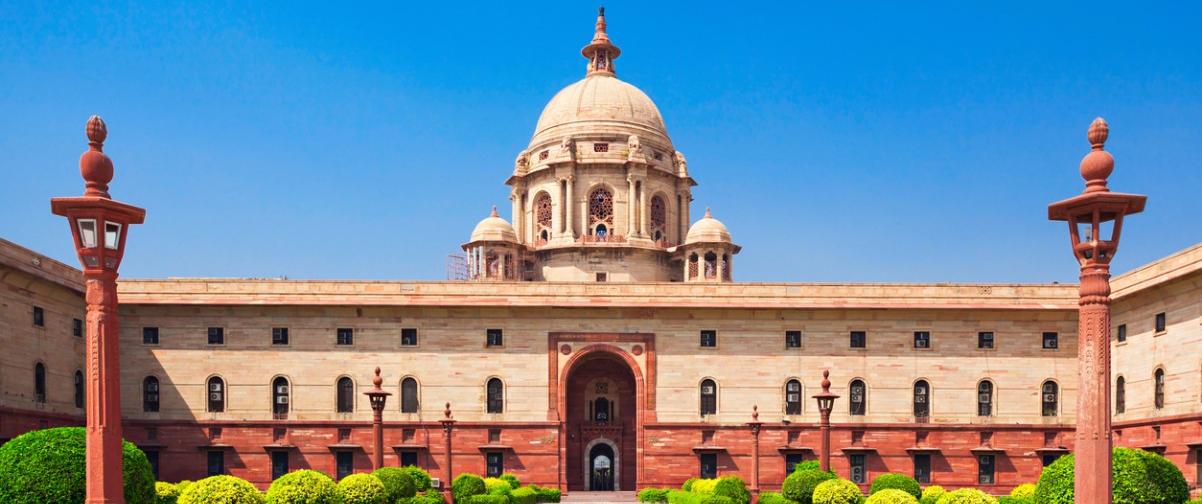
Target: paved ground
{"points": [[600, 497]]}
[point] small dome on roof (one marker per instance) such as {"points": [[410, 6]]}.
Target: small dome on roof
{"points": [[708, 230], [494, 228]]}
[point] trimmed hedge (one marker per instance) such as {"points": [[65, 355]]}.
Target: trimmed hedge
{"points": [[1024, 490], [497, 486], [547, 494], [303, 487], [523, 495], [514, 482], [222, 489], [48, 465], [466, 485], [165, 493], [688, 484], [651, 495], [800, 485], [967, 496], [837, 491], [398, 484], [775, 498], [895, 481], [429, 497], [931, 494], [1140, 477], [1006, 499], [891, 496], [421, 478], [362, 488], [808, 465], [733, 488], [488, 499]]}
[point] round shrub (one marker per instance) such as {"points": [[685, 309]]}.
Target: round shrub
{"points": [[1139, 477], [653, 495], [497, 486], [398, 484], [966, 496], [837, 491], [549, 495], [165, 493], [421, 478], [466, 485], [931, 494], [1023, 490], [891, 496], [181, 486], [688, 484], [303, 487], [800, 485], [704, 486], [775, 498], [48, 465], [808, 465], [895, 481], [514, 482], [222, 489], [733, 488], [523, 495], [362, 488]]}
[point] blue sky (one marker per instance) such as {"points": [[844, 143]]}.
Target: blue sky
{"points": [[880, 142]]}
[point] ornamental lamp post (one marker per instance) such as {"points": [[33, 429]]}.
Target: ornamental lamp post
{"points": [[99, 226], [377, 396], [826, 403], [1095, 220], [448, 425]]}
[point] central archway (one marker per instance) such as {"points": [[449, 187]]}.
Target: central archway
{"points": [[601, 419]]}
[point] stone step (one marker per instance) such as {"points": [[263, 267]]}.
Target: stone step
{"points": [[599, 497]]}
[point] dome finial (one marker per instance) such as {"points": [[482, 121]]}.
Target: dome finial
{"points": [[708, 214], [601, 53], [95, 167], [1097, 166], [494, 212]]}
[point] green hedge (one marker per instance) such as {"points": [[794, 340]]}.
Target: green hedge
{"points": [[732, 487], [837, 491], [398, 484], [1009, 499], [688, 484], [523, 495], [1140, 477], [651, 495], [429, 497], [488, 499], [775, 498], [303, 487], [362, 488], [895, 481], [497, 486], [466, 485], [165, 493], [48, 465], [800, 485], [514, 482], [1024, 490], [966, 496], [221, 489], [931, 494], [421, 478], [548, 494], [891, 496], [808, 465]]}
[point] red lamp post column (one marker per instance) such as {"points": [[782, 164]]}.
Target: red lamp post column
{"points": [[755, 425], [1091, 216], [826, 403], [99, 226], [448, 425], [377, 396]]}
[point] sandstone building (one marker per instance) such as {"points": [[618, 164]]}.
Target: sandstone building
{"points": [[601, 343]]}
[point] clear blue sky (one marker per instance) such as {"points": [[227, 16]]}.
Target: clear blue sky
{"points": [[887, 142]]}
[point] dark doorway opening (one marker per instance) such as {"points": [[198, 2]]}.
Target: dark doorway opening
{"points": [[601, 468]]}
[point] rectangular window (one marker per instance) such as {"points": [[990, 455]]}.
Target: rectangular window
{"points": [[709, 465], [1051, 340], [344, 462], [279, 464], [150, 335], [216, 335], [77, 328], [496, 464], [1160, 326], [791, 461], [152, 456], [709, 338], [985, 340], [1121, 333], [409, 337], [922, 467], [39, 316], [859, 339], [345, 336], [408, 458], [859, 473], [792, 340], [216, 462], [602, 276], [1051, 457], [495, 337], [985, 469], [279, 335], [922, 339]]}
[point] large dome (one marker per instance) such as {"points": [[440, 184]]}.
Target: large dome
{"points": [[600, 103]]}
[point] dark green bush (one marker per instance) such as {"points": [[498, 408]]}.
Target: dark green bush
{"points": [[775, 498], [429, 497], [421, 478], [1139, 477], [523, 495], [398, 484], [800, 485], [733, 488], [48, 465], [303, 487], [466, 485], [896, 481], [224, 489], [548, 494], [808, 465], [514, 482], [651, 495]]}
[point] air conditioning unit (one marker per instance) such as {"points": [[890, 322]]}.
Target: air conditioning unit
{"points": [[921, 343], [436, 483], [707, 390], [152, 397], [152, 387], [215, 387], [214, 396], [985, 398], [920, 399], [281, 400], [1049, 398], [857, 398], [282, 389], [857, 473], [793, 397]]}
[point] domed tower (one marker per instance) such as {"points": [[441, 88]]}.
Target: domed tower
{"points": [[493, 252], [707, 251], [600, 193]]}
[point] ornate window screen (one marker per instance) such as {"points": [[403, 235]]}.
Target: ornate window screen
{"points": [[659, 217], [542, 210]]}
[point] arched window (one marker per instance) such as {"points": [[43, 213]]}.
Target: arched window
{"points": [[409, 395], [346, 395], [542, 215], [693, 266], [857, 397], [793, 397], [659, 218], [985, 398], [216, 401], [1120, 395], [709, 397], [922, 399], [79, 393], [726, 267], [150, 394], [1158, 381], [496, 395], [600, 209], [280, 397], [1051, 398], [711, 265], [39, 382]]}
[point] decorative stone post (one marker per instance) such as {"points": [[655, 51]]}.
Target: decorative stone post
{"points": [[377, 396], [448, 425], [755, 425], [826, 403], [1091, 216], [99, 226]]}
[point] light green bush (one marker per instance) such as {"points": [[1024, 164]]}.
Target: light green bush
{"points": [[514, 482], [837, 491], [653, 495], [1023, 490], [808, 465], [688, 484], [1140, 477], [497, 486], [303, 487], [165, 493], [967, 496], [421, 478], [523, 495], [800, 485], [362, 488], [548, 494], [223, 489], [704, 486], [775, 498], [895, 481], [891, 496], [488, 499], [398, 484], [931, 494], [466, 485], [732, 487]]}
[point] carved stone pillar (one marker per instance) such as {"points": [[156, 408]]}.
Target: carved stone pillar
{"points": [[571, 224]]}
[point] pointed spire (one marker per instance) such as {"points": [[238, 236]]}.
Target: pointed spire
{"points": [[601, 53], [708, 215], [1097, 166], [494, 212]]}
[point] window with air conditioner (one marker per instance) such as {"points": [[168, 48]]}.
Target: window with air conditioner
{"points": [[922, 339], [985, 340], [859, 474]]}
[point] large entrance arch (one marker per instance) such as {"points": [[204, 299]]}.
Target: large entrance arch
{"points": [[601, 413]]}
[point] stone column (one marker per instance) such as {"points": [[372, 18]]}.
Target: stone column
{"points": [[571, 224], [103, 468], [448, 425], [1092, 443], [630, 228], [755, 425]]}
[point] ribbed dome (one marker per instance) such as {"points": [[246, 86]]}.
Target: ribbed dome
{"points": [[708, 230], [494, 228], [600, 103]]}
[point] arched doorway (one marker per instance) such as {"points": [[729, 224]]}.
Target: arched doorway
{"points": [[601, 418]]}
